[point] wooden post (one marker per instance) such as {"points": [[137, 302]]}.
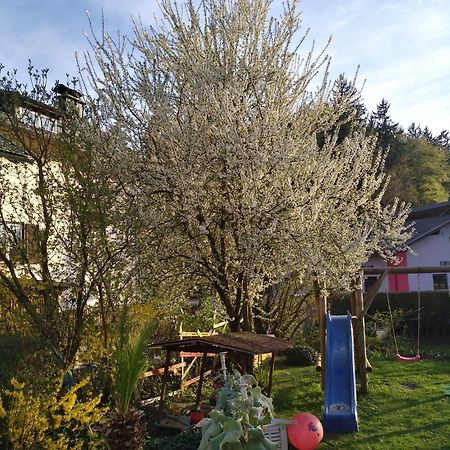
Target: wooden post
{"points": [[319, 363], [272, 366], [317, 297], [180, 335], [164, 381], [353, 303], [372, 292], [322, 310], [354, 311], [360, 334], [200, 381]]}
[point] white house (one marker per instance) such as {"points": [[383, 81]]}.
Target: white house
{"points": [[21, 211], [430, 247]]}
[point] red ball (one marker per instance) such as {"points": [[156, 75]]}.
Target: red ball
{"points": [[306, 433]]}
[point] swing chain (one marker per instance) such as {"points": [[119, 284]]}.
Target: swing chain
{"points": [[392, 321], [418, 317], [418, 313]]}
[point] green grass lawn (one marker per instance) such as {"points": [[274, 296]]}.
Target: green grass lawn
{"points": [[406, 407]]}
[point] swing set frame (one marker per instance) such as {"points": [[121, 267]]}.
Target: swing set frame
{"points": [[360, 305]]}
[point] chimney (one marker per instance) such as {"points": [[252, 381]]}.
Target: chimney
{"points": [[69, 99]]}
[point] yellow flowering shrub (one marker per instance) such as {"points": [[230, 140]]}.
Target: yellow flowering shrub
{"points": [[51, 420], [2, 410]]}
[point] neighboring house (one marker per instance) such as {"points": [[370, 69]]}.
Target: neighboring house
{"points": [[20, 220], [17, 170], [430, 247]]}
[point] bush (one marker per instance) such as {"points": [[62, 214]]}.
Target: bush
{"points": [[300, 355], [50, 419], [310, 335], [435, 310]]}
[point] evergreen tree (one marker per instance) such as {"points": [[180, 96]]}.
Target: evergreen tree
{"points": [[441, 140], [354, 116], [414, 130], [428, 135], [381, 123]]}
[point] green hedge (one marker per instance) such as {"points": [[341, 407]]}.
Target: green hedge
{"points": [[300, 355], [435, 310]]}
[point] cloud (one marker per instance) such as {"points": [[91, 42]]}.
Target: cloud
{"points": [[401, 46], [402, 49]]}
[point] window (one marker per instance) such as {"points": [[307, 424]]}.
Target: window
{"points": [[11, 238], [19, 241], [13, 232], [34, 119], [368, 282], [440, 281]]}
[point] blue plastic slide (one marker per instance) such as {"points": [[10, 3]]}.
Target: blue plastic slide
{"points": [[340, 415]]}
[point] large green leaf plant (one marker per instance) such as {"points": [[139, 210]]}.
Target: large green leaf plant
{"points": [[237, 419]]}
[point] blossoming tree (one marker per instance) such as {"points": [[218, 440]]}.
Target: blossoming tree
{"points": [[232, 144]]}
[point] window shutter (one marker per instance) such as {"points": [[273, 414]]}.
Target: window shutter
{"points": [[31, 237]]}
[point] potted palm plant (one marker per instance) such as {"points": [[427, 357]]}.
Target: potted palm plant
{"points": [[125, 428]]}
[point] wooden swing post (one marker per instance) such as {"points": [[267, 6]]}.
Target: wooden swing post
{"points": [[321, 303], [357, 305]]}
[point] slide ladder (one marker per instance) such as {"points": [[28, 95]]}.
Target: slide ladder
{"points": [[340, 415]]}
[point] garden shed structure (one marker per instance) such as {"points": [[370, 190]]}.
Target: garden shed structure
{"points": [[238, 345]]}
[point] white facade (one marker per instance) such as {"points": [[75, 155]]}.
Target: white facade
{"points": [[432, 250]]}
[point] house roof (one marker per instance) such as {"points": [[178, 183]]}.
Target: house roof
{"points": [[244, 342], [428, 219], [434, 210], [9, 99], [13, 98], [11, 150], [428, 225]]}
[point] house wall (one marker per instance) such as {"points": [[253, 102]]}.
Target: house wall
{"points": [[430, 251], [374, 263], [20, 204], [399, 282]]}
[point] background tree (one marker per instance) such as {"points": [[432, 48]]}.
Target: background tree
{"points": [[222, 138], [384, 127], [285, 307], [420, 172], [441, 140], [354, 117]]}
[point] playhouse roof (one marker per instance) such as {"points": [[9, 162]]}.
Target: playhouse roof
{"points": [[244, 342]]}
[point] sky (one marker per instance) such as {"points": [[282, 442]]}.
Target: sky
{"points": [[402, 47]]}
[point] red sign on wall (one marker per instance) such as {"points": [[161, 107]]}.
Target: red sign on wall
{"points": [[398, 282]]}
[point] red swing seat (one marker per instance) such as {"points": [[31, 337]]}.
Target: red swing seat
{"points": [[401, 358]]}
